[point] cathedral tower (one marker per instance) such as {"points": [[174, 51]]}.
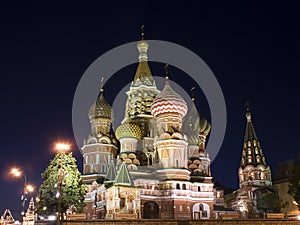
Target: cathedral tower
{"points": [[138, 122], [169, 108], [101, 146], [141, 93], [253, 170]]}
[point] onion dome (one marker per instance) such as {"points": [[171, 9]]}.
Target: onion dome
{"points": [[193, 139], [128, 130], [190, 126], [101, 109], [204, 126], [168, 101]]}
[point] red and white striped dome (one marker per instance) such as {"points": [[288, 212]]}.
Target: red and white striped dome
{"points": [[168, 101]]}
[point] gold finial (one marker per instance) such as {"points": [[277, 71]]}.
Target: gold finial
{"points": [[102, 83], [248, 113], [192, 93], [167, 71], [142, 32], [248, 107]]}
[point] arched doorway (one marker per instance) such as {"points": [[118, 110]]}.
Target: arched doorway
{"points": [[151, 210], [201, 211]]}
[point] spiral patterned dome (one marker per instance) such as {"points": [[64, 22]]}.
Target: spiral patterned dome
{"points": [[101, 109], [128, 130], [204, 126], [168, 101]]}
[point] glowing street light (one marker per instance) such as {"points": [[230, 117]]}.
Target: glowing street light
{"points": [[29, 188], [16, 172], [61, 148]]}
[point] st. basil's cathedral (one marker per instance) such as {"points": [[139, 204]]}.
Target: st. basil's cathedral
{"points": [[149, 167]]}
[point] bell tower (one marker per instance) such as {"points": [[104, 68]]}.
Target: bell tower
{"points": [[254, 170]]}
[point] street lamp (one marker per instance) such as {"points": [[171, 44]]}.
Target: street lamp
{"points": [[61, 148], [16, 172]]}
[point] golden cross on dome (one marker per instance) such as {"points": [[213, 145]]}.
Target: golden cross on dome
{"points": [[193, 93], [142, 31], [248, 106], [102, 83], [167, 71]]}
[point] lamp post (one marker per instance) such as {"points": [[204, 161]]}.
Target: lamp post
{"points": [[61, 148], [16, 172]]}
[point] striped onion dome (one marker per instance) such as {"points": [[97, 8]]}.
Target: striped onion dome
{"points": [[128, 130], [101, 109], [168, 101]]}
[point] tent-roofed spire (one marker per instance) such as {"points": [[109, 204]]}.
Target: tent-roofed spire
{"points": [[7, 216], [143, 73], [250, 133], [252, 152], [123, 177], [111, 173]]}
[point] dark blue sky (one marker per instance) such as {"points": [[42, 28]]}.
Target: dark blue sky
{"points": [[253, 50]]}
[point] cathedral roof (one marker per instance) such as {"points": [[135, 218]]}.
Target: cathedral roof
{"points": [[111, 173], [168, 101], [194, 124], [205, 126], [252, 152], [250, 134], [143, 88], [143, 75], [8, 216], [128, 130], [101, 109], [123, 177]]}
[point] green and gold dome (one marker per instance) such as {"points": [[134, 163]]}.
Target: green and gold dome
{"points": [[204, 127], [128, 130], [195, 125], [101, 109]]}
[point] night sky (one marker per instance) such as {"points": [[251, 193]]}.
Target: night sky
{"points": [[253, 50]]}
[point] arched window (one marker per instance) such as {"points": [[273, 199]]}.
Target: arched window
{"points": [[249, 151], [184, 186], [258, 159], [201, 211], [249, 159], [178, 186]]}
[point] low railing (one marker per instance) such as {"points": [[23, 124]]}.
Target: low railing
{"points": [[77, 216]]}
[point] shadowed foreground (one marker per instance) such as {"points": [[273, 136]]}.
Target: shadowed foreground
{"points": [[182, 222]]}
